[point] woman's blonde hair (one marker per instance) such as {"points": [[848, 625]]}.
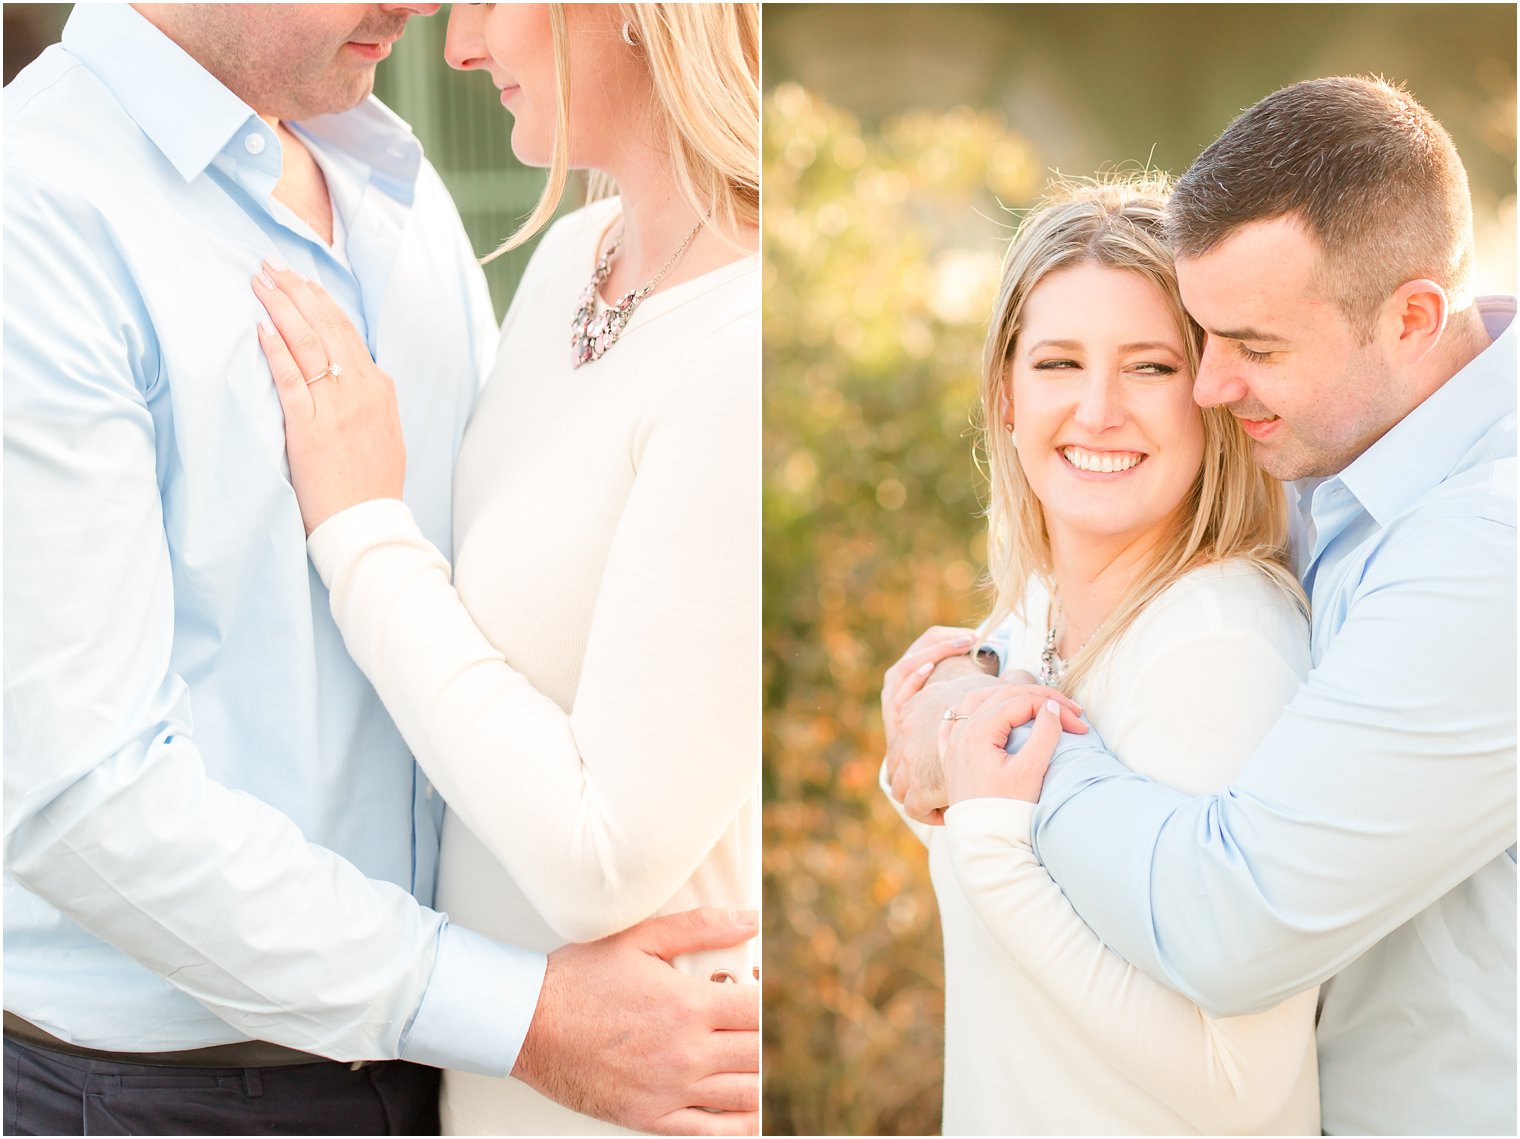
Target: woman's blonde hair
{"points": [[1233, 509], [704, 68]]}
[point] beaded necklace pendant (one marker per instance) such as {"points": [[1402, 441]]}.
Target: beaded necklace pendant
{"points": [[593, 334]]}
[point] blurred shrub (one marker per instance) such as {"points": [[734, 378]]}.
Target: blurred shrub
{"points": [[882, 253]]}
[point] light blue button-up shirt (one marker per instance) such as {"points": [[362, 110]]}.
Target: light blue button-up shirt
{"points": [[1369, 843], [213, 831]]}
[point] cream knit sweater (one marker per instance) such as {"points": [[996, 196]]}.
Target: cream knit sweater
{"points": [[585, 692]]}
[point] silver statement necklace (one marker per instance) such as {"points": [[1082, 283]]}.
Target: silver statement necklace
{"points": [[593, 334], [1052, 667]]}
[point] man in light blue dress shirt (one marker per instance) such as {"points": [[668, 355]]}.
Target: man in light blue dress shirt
{"points": [[219, 851], [1324, 243]]}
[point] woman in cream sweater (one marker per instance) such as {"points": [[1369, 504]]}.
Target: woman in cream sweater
{"points": [[1139, 557], [583, 686]]}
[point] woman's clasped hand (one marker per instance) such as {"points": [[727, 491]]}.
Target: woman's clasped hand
{"points": [[973, 739]]}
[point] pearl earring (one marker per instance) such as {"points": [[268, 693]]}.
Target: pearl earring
{"points": [[1013, 440]]}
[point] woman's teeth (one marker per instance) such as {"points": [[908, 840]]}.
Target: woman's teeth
{"points": [[1103, 462]]}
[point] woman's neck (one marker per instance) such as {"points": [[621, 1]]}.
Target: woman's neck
{"points": [[1091, 576], [656, 219]]}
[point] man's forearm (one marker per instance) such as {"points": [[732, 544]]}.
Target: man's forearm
{"points": [[308, 953], [1226, 897]]}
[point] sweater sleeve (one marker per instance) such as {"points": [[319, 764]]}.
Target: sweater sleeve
{"points": [[1224, 1075], [602, 812]]}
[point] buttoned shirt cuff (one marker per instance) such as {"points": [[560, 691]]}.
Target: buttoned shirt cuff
{"points": [[348, 533], [1007, 820], [478, 1005]]}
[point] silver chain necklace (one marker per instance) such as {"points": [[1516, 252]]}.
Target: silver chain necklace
{"points": [[593, 334], [1052, 667]]}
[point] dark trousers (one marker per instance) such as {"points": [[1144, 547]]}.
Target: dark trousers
{"points": [[49, 1093]]}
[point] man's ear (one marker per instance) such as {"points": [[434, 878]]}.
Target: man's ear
{"points": [[1414, 318]]}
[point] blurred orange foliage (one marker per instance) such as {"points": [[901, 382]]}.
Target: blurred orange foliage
{"points": [[882, 252]]}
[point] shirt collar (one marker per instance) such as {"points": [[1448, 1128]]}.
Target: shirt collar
{"points": [[185, 110], [377, 138], [1426, 445], [190, 116]]}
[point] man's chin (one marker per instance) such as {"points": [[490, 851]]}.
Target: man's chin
{"points": [[1287, 466], [362, 91], [333, 98]]}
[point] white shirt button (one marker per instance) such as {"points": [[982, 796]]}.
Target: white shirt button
{"points": [[254, 143], [428, 792]]}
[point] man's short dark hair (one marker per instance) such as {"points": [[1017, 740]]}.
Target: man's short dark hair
{"points": [[1368, 171]]}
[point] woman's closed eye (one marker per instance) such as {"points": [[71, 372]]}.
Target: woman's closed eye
{"points": [[1150, 368]]}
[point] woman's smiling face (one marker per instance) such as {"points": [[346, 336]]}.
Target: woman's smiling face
{"points": [[1108, 434]]}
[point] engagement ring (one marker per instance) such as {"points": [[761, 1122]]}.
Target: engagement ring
{"points": [[333, 370]]}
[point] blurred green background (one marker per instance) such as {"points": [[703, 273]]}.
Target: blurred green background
{"points": [[458, 118], [895, 136]]}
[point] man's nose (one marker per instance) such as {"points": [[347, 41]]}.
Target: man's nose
{"points": [[1216, 382]]}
